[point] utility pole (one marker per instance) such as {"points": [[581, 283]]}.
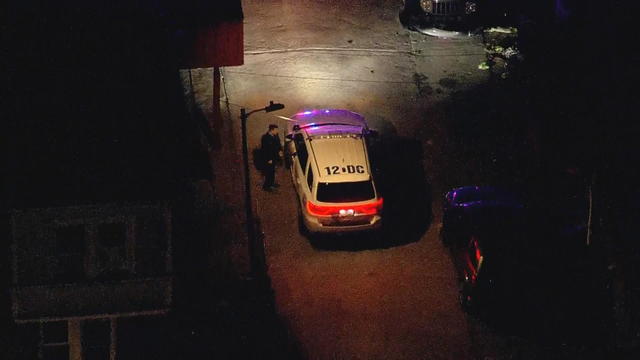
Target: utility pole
{"points": [[251, 233]]}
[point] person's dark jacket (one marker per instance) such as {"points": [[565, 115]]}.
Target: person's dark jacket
{"points": [[271, 148]]}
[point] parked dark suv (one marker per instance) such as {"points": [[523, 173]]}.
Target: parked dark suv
{"points": [[460, 14], [485, 229], [440, 13]]}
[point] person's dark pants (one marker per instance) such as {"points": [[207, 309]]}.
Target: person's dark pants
{"points": [[269, 175]]}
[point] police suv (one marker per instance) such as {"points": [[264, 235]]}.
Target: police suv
{"points": [[326, 151]]}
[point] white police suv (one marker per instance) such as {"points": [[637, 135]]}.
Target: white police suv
{"points": [[326, 151]]}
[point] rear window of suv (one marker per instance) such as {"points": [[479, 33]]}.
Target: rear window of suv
{"points": [[345, 191]]}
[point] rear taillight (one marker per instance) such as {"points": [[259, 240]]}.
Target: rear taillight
{"points": [[372, 208]]}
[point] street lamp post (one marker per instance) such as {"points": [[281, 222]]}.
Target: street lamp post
{"points": [[251, 235]]}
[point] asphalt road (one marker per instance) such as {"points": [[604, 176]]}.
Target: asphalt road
{"points": [[442, 125], [351, 298]]}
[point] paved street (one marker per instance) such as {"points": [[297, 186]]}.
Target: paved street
{"points": [[98, 116], [441, 126], [396, 299]]}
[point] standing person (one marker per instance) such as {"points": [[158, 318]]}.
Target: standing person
{"points": [[271, 153]]}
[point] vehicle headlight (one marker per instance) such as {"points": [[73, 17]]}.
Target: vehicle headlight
{"points": [[470, 7], [427, 6]]}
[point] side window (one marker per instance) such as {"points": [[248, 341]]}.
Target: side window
{"points": [[111, 250], [55, 340], [150, 245], [70, 252], [96, 339], [301, 150], [310, 178]]}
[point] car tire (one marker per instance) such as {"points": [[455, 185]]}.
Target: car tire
{"points": [[409, 13]]}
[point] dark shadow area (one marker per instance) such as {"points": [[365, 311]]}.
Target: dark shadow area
{"points": [[216, 314], [536, 277], [256, 157], [558, 294], [97, 114], [402, 183], [242, 324], [562, 304], [237, 321], [96, 107], [488, 136], [550, 131], [369, 240], [550, 292]]}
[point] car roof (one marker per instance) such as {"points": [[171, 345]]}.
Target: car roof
{"points": [[483, 196], [318, 119], [340, 151], [321, 130]]}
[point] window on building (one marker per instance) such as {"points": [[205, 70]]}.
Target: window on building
{"points": [[143, 337], [151, 245], [111, 255], [25, 339], [70, 247], [112, 235], [55, 340], [96, 339], [55, 352]]}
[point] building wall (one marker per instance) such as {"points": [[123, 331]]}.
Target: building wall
{"points": [[95, 338], [88, 260]]}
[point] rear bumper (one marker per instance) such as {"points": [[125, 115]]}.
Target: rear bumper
{"points": [[314, 225]]}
